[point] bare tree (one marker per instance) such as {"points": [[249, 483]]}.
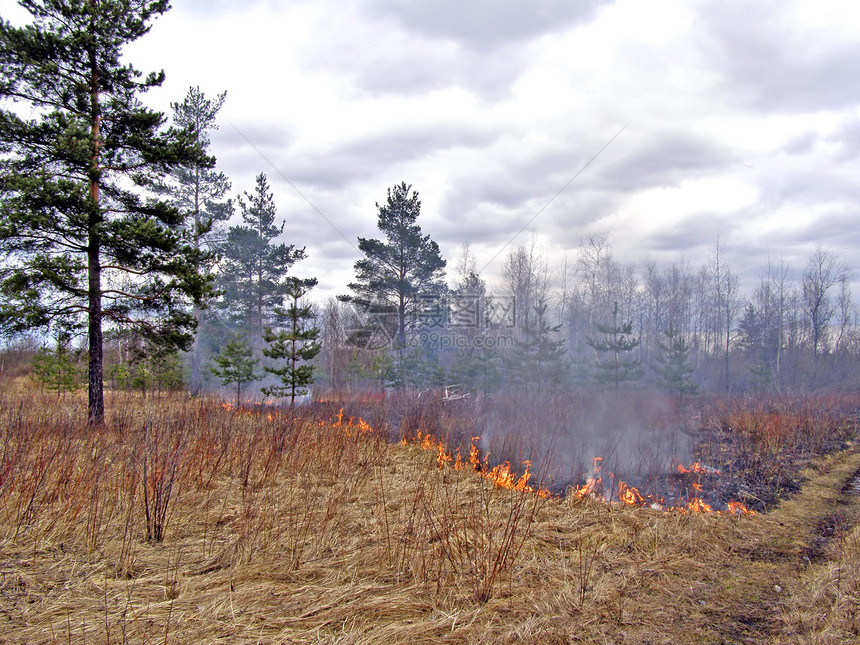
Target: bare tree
{"points": [[770, 302], [846, 313], [823, 271], [526, 279], [334, 324], [593, 266], [727, 305], [654, 309], [466, 266]]}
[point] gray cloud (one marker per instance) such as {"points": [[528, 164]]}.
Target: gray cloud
{"points": [[699, 230], [519, 177], [770, 63], [485, 24], [808, 185], [205, 8], [408, 61], [848, 140], [477, 45], [380, 153], [424, 69], [664, 158], [802, 144], [835, 229], [490, 228]]}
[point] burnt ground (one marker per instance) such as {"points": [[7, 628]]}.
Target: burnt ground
{"points": [[763, 474]]}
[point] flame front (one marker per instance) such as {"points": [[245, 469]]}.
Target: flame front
{"points": [[740, 509], [504, 475]]}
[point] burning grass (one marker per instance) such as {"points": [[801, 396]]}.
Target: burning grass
{"points": [[183, 521]]}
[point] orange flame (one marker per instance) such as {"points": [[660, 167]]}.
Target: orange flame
{"points": [[698, 469], [630, 495], [592, 483], [502, 475], [740, 509]]}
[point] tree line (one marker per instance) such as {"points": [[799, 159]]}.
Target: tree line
{"points": [[595, 322]]}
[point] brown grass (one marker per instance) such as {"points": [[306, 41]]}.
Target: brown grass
{"points": [[310, 530]]}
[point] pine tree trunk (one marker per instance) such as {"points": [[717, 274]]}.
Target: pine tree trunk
{"points": [[195, 357], [96, 403], [195, 348]]}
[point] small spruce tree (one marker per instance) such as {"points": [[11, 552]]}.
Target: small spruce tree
{"points": [[673, 367], [58, 369], [539, 356], [236, 364], [296, 344], [613, 364]]}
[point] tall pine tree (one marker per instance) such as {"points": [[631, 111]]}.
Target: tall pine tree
{"points": [[83, 236], [397, 270], [199, 190], [254, 268]]}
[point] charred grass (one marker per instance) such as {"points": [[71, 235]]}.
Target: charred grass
{"points": [[185, 522]]}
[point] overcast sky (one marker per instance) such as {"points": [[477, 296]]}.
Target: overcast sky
{"points": [[741, 117]]}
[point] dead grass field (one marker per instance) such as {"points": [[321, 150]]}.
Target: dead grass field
{"points": [[184, 522]]}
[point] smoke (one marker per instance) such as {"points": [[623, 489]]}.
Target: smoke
{"points": [[639, 436]]}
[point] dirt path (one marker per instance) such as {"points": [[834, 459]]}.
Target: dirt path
{"points": [[795, 578]]}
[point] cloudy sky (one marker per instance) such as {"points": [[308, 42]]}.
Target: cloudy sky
{"points": [[736, 120]]}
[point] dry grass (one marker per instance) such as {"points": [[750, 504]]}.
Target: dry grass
{"points": [[184, 522]]}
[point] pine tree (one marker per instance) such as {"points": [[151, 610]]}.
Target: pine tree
{"points": [[236, 364], [477, 364], [417, 369], [254, 271], [613, 363], [296, 344], [393, 275], [397, 270], [673, 366], [199, 190], [478, 370], [82, 234], [369, 368], [538, 358], [58, 369]]}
